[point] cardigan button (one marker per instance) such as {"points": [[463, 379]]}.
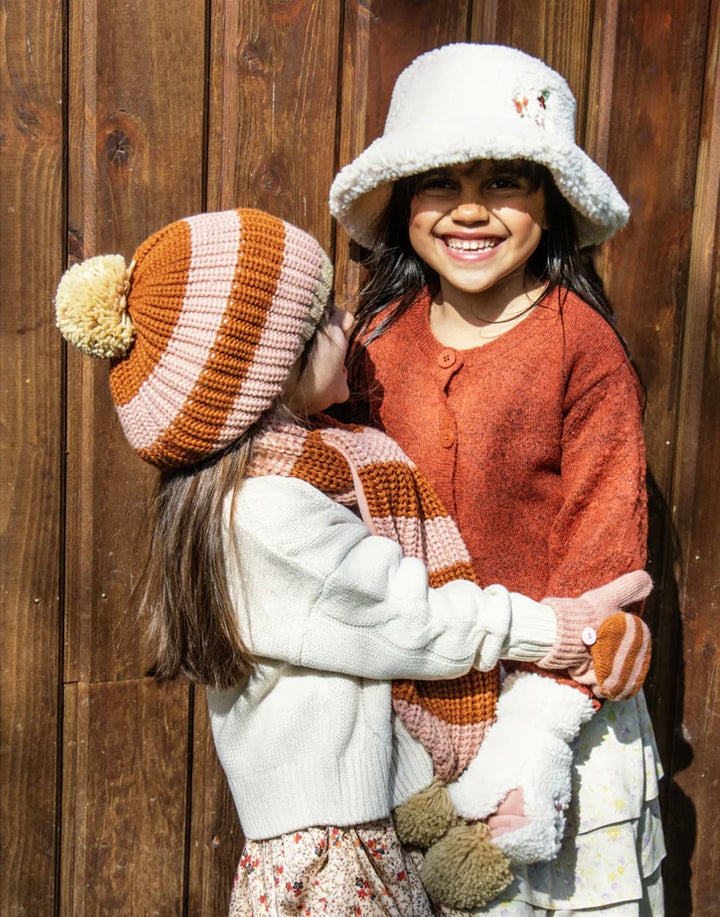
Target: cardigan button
{"points": [[589, 636], [447, 438], [446, 358]]}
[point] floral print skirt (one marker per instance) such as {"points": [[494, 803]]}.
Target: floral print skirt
{"points": [[338, 872]]}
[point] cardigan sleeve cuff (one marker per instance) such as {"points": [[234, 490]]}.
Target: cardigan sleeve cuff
{"points": [[532, 632]]}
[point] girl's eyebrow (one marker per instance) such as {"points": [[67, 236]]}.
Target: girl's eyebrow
{"points": [[471, 168], [440, 170], [508, 165]]}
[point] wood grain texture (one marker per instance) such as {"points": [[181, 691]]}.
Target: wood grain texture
{"points": [[124, 808], [273, 96], [31, 191], [693, 795], [601, 79], [136, 162], [553, 30], [379, 40], [652, 154]]}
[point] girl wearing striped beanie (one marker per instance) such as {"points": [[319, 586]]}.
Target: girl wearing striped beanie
{"points": [[303, 571]]}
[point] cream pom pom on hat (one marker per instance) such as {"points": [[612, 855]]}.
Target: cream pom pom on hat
{"points": [[202, 328], [463, 102]]}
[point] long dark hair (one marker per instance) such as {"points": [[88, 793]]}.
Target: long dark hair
{"points": [[192, 623], [396, 274]]}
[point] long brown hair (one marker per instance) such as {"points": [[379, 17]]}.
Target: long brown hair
{"points": [[192, 624]]}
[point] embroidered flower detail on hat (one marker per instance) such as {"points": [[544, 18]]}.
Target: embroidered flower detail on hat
{"points": [[534, 109]]}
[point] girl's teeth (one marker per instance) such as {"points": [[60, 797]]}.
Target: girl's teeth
{"points": [[470, 245]]}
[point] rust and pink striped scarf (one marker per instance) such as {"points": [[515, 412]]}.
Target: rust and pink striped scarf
{"points": [[362, 467]]}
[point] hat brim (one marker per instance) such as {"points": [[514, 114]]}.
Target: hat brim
{"points": [[361, 191]]}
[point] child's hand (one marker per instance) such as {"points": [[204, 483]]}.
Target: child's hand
{"points": [[579, 623], [510, 815]]}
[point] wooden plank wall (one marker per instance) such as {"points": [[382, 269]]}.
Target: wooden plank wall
{"points": [[121, 115]]}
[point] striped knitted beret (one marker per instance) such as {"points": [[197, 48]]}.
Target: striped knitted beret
{"points": [[202, 328]]}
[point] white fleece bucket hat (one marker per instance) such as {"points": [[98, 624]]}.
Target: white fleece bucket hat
{"points": [[464, 102]]}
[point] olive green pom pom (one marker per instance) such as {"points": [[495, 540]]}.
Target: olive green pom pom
{"points": [[90, 306], [465, 870], [426, 816]]}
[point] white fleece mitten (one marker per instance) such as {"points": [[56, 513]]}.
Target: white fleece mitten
{"points": [[527, 748]]}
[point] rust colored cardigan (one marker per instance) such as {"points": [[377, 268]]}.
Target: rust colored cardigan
{"points": [[534, 442]]}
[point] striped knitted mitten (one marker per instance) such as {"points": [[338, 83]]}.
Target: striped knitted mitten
{"points": [[603, 647]]}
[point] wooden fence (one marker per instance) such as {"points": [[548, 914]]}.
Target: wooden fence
{"points": [[121, 115]]}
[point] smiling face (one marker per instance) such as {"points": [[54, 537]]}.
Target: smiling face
{"points": [[322, 381], [477, 225]]}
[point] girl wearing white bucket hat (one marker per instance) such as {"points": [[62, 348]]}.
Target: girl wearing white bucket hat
{"points": [[488, 350]]}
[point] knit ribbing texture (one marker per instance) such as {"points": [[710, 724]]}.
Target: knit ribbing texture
{"points": [[222, 304], [621, 656]]}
